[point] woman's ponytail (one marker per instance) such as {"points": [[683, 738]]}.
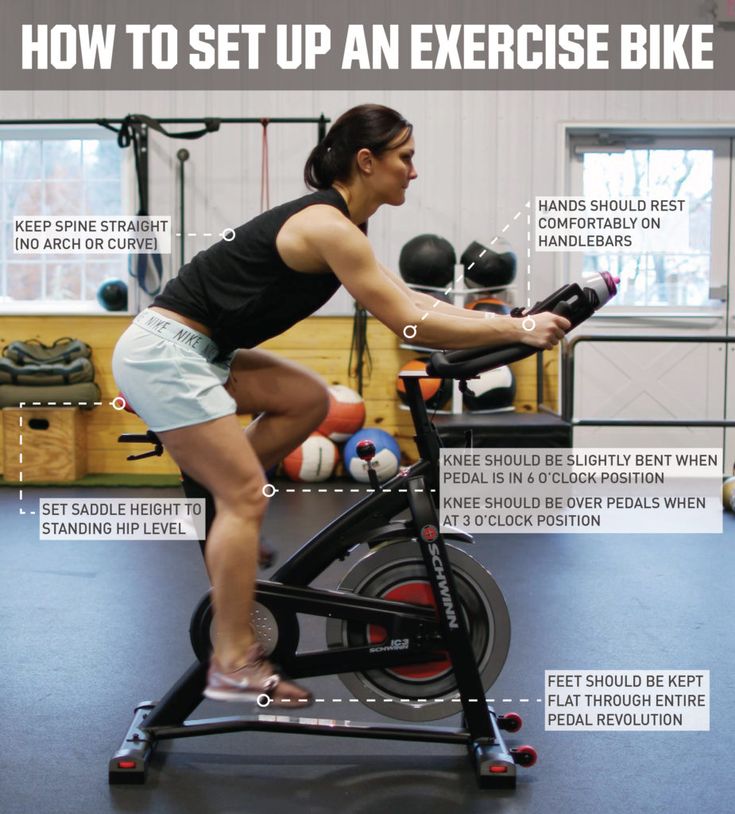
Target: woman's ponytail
{"points": [[321, 169]]}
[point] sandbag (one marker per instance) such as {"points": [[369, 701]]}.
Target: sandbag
{"points": [[41, 375], [33, 351], [62, 395]]}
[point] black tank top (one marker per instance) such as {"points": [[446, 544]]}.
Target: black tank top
{"points": [[242, 290]]}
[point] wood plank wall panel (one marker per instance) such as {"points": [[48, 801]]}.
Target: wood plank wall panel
{"points": [[320, 343]]}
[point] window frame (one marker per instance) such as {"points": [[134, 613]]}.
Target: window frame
{"points": [[715, 138], [31, 131]]}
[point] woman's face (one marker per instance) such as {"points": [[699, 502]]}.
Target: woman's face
{"points": [[393, 170]]}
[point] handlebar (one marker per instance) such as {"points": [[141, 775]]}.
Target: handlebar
{"points": [[574, 302]]}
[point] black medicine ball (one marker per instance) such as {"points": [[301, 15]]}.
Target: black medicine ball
{"points": [[485, 268], [427, 260], [491, 390], [112, 295]]}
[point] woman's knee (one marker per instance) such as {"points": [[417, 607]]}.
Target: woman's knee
{"points": [[244, 498], [319, 400], [308, 400]]}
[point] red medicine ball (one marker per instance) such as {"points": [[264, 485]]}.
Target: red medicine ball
{"points": [[490, 304], [346, 414]]}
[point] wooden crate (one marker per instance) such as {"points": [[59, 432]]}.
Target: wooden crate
{"points": [[44, 444]]}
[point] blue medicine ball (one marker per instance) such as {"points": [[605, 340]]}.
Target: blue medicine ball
{"points": [[112, 295], [387, 455]]}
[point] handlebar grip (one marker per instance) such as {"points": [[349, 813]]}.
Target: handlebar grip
{"points": [[563, 309], [570, 301], [477, 360]]}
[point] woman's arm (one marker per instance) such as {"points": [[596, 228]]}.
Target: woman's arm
{"points": [[346, 250], [432, 304]]}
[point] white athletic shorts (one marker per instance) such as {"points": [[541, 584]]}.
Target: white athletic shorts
{"points": [[167, 373]]}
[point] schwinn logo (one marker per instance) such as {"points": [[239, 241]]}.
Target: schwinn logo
{"points": [[394, 644], [441, 578]]}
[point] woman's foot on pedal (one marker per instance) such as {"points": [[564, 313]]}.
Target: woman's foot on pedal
{"points": [[255, 681]]}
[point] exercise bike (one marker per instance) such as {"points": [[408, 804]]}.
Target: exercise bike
{"points": [[416, 629]]}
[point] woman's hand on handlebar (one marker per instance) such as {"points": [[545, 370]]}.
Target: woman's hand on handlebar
{"points": [[542, 330]]}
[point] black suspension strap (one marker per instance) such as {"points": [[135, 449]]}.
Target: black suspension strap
{"points": [[133, 131], [126, 131], [360, 355], [359, 349]]}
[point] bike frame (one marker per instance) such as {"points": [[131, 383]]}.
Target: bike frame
{"points": [[433, 633], [371, 522]]}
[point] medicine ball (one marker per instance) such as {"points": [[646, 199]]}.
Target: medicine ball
{"points": [[346, 414], [436, 392], [112, 295], [387, 455], [313, 461], [491, 304], [427, 260], [485, 268], [728, 494], [491, 390]]}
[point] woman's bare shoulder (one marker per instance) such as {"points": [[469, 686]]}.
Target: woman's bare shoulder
{"points": [[322, 222]]}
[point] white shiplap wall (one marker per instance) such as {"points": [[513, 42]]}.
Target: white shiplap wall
{"points": [[480, 155]]}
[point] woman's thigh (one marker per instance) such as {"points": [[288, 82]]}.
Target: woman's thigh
{"points": [[261, 382]]}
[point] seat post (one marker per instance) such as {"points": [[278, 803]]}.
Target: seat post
{"points": [[427, 439]]}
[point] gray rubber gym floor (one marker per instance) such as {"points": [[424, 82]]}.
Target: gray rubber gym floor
{"points": [[87, 630]]}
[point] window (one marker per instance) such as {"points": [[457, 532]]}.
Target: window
{"points": [[615, 166], [63, 171]]}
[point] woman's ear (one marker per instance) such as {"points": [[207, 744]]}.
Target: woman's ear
{"points": [[365, 161]]}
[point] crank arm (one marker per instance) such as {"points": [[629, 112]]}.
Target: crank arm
{"points": [[355, 659]]}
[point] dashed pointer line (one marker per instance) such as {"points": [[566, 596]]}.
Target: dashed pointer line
{"points": [[425, 701], [22, 404], [469, 268], [269, 490]]}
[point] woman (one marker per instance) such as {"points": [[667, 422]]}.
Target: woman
{"points": [[188, 364]]}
